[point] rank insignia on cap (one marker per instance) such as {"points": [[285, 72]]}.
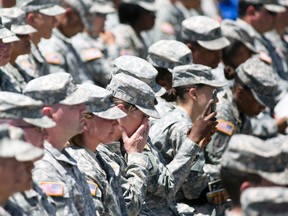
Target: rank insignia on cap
{"points": [[54, 58], [52, 188], [167, 28], [91, 54], [225, 127], [93, 188]]}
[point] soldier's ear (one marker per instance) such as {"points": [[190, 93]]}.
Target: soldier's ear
{"points": [[47, 111], [192, 93], [251, 10], [244, 186], [30, 18]]}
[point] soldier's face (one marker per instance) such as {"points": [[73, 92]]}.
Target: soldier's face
{"points": [[204, 94], [43, 23], [210, 58], [99, 23], [264, 20], [132, 121], [246, 102], [69, 119], [5, 53], [22, 46], [101, 130]]}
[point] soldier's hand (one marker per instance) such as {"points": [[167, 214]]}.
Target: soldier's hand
{"points": [[108, 38], [203, 127], [137, 142]]}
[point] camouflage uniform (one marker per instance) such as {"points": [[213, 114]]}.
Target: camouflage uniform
{"points": [[59, 171], [35, 64], [34, 202], [17, 77], [13, 145], [59, 52], [163, 179], [94, 58], [169, 19], [230, 121], [170, 132], [167, 54]]}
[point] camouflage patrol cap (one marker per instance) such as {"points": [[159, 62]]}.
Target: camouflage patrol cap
{"points": [[194, 74], [205, 31], [101, 103], [265, 201], [231, 30], [139, 68], [6, 35], [18, 106], [102, 7], [168, 54], [270, 5], [149, 5], [261, 80], [56, 88], [250, 154], [17, 21], [46, 7], [13, 144], [134, 91]]}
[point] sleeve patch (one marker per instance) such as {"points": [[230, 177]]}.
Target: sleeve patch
{"points": [[225, 127], [167, 28], [93, 188], [91, 54], [52, 188], [54, 58]]}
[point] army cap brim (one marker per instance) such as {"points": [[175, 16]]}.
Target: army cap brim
{"points": [[23, 29], [104, 8], [158, 90], [10, 39], [113, 112], [268, 100], [148, 6], [42, 122], [274, 8], [217, 44], [53, 11], [22, 151], [151, 111], [79, 96]]}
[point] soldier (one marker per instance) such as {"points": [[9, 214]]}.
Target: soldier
{"points": [[100, 121], [258, 17], [6, 38], [57, 172], [204, 37], [164, 55], [194, 85], [136, 99], [40, 15], [135, 17], [16, 161], [94, 51], [58, 50], [23, 112], [17, 24], [265, 201], [251, 162], [254, 89], [170, 17]]}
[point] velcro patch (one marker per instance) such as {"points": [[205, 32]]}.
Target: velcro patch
{"points": [[167, 28], [91, 54], [93, 188], [54, 58], [52, 188], [225, 127]]}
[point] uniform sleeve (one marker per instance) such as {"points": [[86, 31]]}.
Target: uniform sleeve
{"points": [[166, 179], [134, 183]]}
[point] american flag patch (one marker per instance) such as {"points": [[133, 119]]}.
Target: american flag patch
{"points": [[225, 127], [93, 188], [52, 188]]}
